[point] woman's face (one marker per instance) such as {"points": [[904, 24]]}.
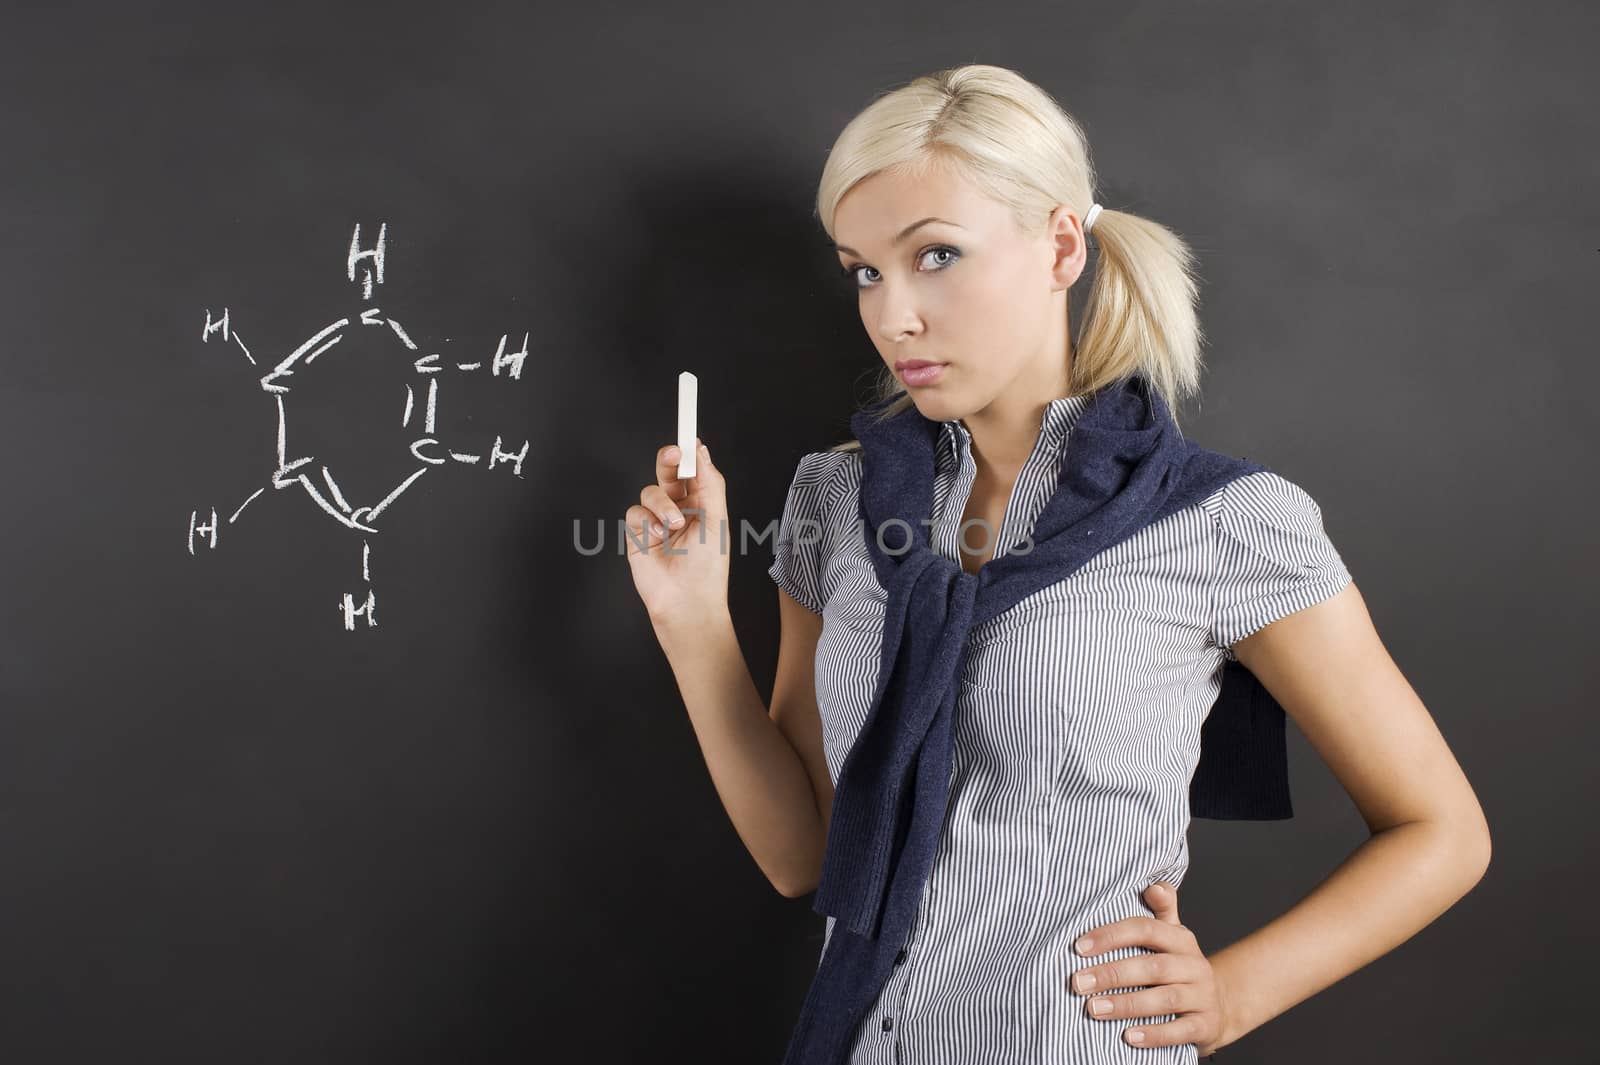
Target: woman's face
{"points": [[967, 290]]}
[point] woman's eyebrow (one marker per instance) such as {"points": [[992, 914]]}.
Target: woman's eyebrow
{"points": [[903, 234]]}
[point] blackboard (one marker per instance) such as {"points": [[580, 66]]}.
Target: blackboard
{"points": [[290, 779], [243, 821]]}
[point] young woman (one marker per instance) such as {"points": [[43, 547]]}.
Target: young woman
{"points": [[1047, 930]]}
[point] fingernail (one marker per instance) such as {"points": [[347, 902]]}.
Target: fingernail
{"points": [[1086, 981], [672, 452], [1135, 1035], [1083, 945]]}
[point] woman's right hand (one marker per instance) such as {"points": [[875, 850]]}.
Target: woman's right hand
{"points": [[681, 573]]}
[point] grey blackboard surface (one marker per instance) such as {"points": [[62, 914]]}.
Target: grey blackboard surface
{"points": [[233, 828]]}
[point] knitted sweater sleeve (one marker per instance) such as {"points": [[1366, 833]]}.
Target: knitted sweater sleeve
{"points": [[800, 546], [1273, 556]]}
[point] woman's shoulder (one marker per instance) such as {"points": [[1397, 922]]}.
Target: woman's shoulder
{"points": [[1272, 556], [821, 467], [1262, 496], [823, 480]]}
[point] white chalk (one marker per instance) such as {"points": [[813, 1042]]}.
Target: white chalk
{"points": [[688, 391]]}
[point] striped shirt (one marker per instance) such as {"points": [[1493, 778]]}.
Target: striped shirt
{"points": [[1077, 731]]}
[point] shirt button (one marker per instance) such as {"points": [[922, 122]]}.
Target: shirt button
{"points": [[888, 1023], [900, 957]]}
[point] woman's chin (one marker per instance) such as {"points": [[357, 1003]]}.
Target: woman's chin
{"points": [[937, 408]]}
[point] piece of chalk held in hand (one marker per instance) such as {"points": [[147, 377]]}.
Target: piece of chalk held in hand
{"points": [[688, 390]]}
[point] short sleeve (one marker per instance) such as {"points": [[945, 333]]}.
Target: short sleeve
{"points": [[799, 547], [1273, 556]]}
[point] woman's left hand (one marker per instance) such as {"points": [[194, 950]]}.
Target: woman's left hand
{"points": [[1178, 979]]}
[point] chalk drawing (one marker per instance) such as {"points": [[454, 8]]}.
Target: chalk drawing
{"points": [[316, 478]]}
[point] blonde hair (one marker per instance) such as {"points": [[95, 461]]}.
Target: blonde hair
{"points": [[1014, 141]]}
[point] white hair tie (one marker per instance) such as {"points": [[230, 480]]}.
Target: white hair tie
{"points": [[1088, 219]]}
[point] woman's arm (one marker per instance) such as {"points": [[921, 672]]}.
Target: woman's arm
{"points": [[1329, 670], [764, 764]]}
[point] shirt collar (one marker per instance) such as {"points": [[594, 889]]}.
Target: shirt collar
{"points": [[1059, 417]]}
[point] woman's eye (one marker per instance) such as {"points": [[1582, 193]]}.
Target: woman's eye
{"points": [[852, 275], [948, 254]]}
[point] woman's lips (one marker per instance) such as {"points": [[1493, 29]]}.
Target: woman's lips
{"points": [[919, 376]]}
